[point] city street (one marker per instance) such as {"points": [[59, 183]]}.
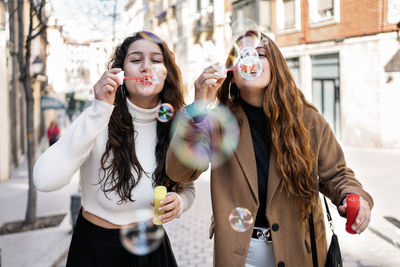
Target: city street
{"points": [[376, 169], [137, 60]]}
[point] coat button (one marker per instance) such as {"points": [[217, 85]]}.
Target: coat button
{"points": [[275, 227], [281, 264]]}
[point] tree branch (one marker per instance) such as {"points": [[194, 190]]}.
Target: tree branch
{"points": [[38, 33], [39, 13]]}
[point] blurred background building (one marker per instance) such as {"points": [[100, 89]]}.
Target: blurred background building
{"points": [[12, 108], [338, 51], [343, 54]]}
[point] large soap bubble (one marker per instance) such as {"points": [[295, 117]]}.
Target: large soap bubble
{"points": [[206, 136], [143, 236]]}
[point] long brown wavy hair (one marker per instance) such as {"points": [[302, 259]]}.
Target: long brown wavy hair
{"points": [[117, 170], [283, 105]]}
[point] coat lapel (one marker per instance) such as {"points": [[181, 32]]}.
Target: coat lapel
{"points": [[274, 178], [245, 152]]}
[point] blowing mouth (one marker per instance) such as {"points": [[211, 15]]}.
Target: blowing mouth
{"points": [[147, 80]]}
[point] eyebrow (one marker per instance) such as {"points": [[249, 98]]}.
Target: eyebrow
{"points": [[260, 47], [141, 53]]}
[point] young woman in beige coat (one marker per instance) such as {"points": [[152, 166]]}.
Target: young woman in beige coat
{"points": [[286, 154]]}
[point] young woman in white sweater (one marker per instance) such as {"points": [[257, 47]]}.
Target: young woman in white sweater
{"points": [[120, 149]]}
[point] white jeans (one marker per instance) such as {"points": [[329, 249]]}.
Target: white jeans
{"points": [[260, 254]]}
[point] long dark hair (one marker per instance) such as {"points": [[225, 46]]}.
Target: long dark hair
{"points": [[117, 171], [283, 105]]}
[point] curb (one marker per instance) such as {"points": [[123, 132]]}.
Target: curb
{"points": [[386, 230], [393, 242], [60, 258]]}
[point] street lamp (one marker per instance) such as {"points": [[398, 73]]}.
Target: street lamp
{"points": [[37, 66]]}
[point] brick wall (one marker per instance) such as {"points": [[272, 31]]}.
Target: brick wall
{"points": [[357, 18]]}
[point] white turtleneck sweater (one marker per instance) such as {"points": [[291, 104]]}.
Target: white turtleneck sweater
{"points": [[82, 146]]}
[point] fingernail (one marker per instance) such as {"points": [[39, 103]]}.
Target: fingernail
{"points": [[160, 209], [358, 221], [162, 202], [353, 227]]}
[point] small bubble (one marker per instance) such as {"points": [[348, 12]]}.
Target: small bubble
{"points": [[264, 41], [240, 219], [165, 112], [250, 67]]}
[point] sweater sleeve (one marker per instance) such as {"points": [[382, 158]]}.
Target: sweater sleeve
{"points": [[56, 166], [187, 197]]}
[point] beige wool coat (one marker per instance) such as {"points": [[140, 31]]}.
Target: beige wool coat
{"points": [[234, 184]]}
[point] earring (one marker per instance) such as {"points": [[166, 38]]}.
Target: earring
{"points": [[229, 90]]}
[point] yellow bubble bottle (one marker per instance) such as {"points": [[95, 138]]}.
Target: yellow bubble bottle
{"points": [[160, 193]]}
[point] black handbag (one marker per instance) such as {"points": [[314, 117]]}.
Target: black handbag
{"points": [[334, 257]]}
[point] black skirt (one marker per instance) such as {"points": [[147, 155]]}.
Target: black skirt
{"points": [[94, 246]]}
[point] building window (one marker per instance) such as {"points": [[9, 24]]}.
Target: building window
{"points": [[288, 16], [325, 8], [324, 12], [325, 88], [293, 64], [258, 11], [393, 7]]}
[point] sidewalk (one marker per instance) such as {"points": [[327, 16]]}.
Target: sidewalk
{"points": [[38, 248], [377, 169]]}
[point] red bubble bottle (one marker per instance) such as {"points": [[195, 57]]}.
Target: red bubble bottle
{"points": [[353, 206]]}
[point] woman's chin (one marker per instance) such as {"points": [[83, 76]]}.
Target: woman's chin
{"points": [[146, 90], [252, 85]]}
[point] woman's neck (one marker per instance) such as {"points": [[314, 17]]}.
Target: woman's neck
{"points": [[252, 98], [142, 115], [145, 103]]}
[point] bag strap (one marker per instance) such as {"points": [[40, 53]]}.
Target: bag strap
{"points": [[312, 232], [312, 239], [328, 215]]}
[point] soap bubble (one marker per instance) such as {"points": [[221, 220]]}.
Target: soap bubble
{"points": [[250, 67], [165, 112], [248, 52], [214, 142], [158, 73], [240, 219], [149, 36], [243, 55], [245, 33], [143, 236]]}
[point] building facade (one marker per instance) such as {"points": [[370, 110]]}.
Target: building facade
{"points": [[337, 51], [4, 98], [343, 54], [13, 107]]}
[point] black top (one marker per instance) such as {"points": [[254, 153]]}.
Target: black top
{"points": [[260, 134]]}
